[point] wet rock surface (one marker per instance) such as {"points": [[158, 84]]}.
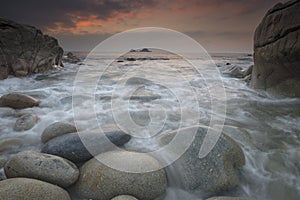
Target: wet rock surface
{"points": [[28, 189], [98, 181], [277, 51], [37, 53], [45, 167]]}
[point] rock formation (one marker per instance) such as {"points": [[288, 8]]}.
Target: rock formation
{"points": [[277, 51], [25, 50]]}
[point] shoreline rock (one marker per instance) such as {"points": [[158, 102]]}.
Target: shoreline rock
{"points": [[25, 188], [57, 129], [37, 54], [98, 181], [72, 147], [26, 122], [70, 58], [277, 51], [44, 167], [216, 172], [18, 101]]}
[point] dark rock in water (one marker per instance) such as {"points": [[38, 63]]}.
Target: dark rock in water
{"points": [[216, 172], [247, 79], [228, 64], [25, 122], [57, 129], [26, 50], [18, 101], [277, 51], [70, 58], [98, 181], [130, 59], [145, 50], [235, 71], [76, 148], [44, 167], [248, 71], [132, 50], [26, 188], [138, 81]]}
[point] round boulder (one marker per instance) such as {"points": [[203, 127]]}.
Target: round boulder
{"points": [[41, 166], [28, 189], [57, 129], [80, 147], [98, 181], [216, 172], [18, 101], [124, 197], [25, 122]]}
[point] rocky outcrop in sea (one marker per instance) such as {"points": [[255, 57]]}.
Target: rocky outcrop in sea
{"points": [[277, 51], [25, 50]]}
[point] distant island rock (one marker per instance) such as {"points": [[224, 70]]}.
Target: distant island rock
{"points": [[140, 50], [277, 51], [25, 50]]}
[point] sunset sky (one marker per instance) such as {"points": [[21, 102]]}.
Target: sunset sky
{"points": [[79, 25]]}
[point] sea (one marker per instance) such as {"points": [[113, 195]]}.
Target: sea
{"points": [[150, 93]]}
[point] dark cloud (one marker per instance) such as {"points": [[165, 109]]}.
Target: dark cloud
{"points": [[45, 13]]}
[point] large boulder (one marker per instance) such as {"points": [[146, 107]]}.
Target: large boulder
{"points": [[57, 129], [26, 50], [277, 51], [28, 189], [216, 172], [18, 101], [76, 148], [45, 167], [98, 181]]}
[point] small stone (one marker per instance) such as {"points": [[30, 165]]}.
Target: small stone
{"points": [[124, 197], [57, 129], [18, 101], [130, 59], [236, 72], [25, 122]]}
